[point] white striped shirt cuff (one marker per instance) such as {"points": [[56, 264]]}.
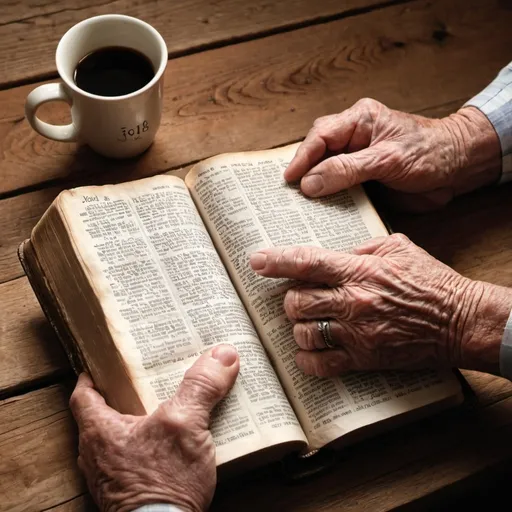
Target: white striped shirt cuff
{"points": [[495, 101]]}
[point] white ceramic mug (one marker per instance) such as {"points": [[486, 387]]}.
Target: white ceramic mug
{"points": [[115, 126]]}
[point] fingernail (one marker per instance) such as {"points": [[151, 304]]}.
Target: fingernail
{"points": [[312, 185], [225, 354], [258, 261]]}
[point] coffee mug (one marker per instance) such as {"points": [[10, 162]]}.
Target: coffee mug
{"points": [[114, 126]]}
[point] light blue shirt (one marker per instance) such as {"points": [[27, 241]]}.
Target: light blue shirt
{"points": [[495, 101]]}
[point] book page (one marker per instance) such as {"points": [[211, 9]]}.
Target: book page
{"points": [[247, 206], [168, 298]]}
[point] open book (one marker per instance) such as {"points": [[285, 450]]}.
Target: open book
{"points": [[139, 278]]}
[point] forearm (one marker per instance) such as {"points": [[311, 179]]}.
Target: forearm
{"points": [[495, 102], [483, 131], [478, 152]]}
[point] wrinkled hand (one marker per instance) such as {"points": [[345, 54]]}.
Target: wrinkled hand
{"points": [[424, 162], [390, 304], [167, 457]]}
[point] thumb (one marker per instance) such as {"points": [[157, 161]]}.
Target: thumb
{"points": [[86, 404], [208, 380], [346, 170]]}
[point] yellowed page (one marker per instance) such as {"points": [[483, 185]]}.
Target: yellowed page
{"points": [[167, 298], [247, 205]]}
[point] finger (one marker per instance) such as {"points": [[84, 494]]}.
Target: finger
{"points": [[309, 337], [303, 263], [343, 171], [349, 130], [386, 245], [370, 246], [326, 363], [208, 380], [86, 403], [305, 303], [309, 153]]}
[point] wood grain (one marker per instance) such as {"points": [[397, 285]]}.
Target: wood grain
{"points": [[30, 351], [30, 31], [473, 234], [38, 446], [19, 214], [434, 453], [393, 469], [79, 504], [267, 92], [465, 235]]}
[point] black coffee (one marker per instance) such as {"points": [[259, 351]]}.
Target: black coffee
{"points": [[113, 71]]}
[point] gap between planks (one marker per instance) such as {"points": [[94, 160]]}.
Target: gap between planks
{"points": [[187, 31]]}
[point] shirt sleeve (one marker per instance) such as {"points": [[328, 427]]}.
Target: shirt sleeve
{"points": [[495, 101], [506, 351]]}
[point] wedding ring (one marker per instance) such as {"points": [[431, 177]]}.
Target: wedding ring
{"points": [[325, 328]]}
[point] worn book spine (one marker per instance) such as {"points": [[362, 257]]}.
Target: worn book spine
{"points": [[49, 305]]}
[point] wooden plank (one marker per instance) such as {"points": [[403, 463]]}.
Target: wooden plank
{"points": [[38, 461], [473, 234], [19, 214], [392, 469], [250, 96], [80, 504], [465, 235], [29, 349], [30, 32]]}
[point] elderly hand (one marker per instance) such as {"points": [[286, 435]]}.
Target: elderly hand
{"points": [[390, 305], [424, 162], [167, 457]]}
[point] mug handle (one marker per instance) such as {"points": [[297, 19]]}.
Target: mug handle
{"points": [[44, 94]]}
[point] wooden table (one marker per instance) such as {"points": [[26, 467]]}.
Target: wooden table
{"points": [[249, 75]]}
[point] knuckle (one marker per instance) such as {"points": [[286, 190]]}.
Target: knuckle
{"points": [[399, 239], [88, 438], [344, 165], [292, 304], [177, 420], [333, 165], [304, 337], [368, 104], [318, 368], [319, 122], [279, 258], [305, 259], [202, 386]]}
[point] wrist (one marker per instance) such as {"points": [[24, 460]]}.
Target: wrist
{"points": [[477, 150], [484, 311]]}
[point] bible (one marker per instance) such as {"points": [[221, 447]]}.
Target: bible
{"points": [[139, 278]]}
